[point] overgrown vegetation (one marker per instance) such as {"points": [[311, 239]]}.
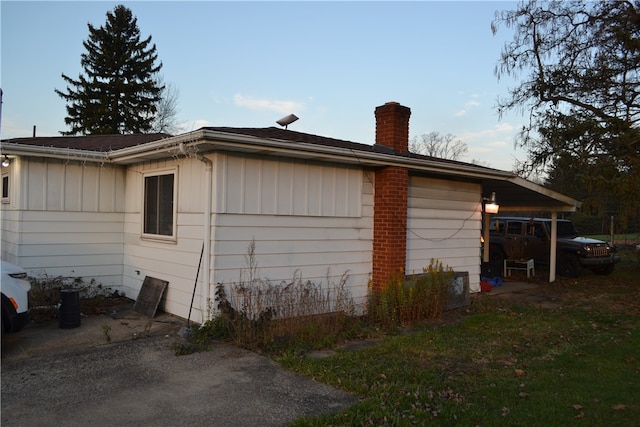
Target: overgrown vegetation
{"points": [[44, 296], [567, 356], [407, 301], [300, 315], [262, 316]]}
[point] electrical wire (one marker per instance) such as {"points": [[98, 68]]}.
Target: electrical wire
{"points": [[409, 229]]}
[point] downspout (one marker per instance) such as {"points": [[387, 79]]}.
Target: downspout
{"points": [[208, 197]]}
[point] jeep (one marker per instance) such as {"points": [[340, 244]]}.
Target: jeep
{"points": [[515, 238]]}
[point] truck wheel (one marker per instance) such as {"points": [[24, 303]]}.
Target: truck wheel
{"points": [[603, 270], [496, 256], [569, 266]]}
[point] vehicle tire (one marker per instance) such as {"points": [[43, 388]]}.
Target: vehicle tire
{"points": [[603, 270], [569, 266], [496, 256]]}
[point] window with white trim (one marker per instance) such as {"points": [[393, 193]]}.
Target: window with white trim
{"points": [[159, 215]]}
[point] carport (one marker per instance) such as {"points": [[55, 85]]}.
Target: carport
{"points": [[515, 194]]}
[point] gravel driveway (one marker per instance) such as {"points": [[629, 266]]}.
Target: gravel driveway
{"points": [[142, 382]]}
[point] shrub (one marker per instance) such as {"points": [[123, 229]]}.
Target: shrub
{"points": [[406, 301]]}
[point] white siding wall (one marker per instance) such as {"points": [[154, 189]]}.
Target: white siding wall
{"points": [[174, 261], [302, 216], [64, 218], [10, 234], [10, 215], [444, 223], [75, 219], [283, 187]]}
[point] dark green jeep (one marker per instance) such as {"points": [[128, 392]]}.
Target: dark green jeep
{"points": [[516, 238]]}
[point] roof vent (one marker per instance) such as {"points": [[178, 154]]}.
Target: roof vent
{"points": [[286, 121]]}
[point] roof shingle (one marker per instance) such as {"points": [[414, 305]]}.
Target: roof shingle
{"points": [[101, 143]]}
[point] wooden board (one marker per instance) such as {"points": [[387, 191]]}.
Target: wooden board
{"points": [[149, 296]]}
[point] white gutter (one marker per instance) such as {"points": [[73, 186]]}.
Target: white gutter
{"points": [[206, 140], [54, 152], [246, 143], [239, 142], [366, 158], [171, 144]]}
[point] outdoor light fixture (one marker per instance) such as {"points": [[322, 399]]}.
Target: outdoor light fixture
{"points": [[5, 161], [492, 207]]}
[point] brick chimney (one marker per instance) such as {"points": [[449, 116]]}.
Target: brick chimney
{"points": [[392, 126], [390, 196]]}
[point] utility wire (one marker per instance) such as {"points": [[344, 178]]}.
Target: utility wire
{"points": [[409, 229]]}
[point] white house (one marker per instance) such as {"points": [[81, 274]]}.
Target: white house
{"points": [[117, 208]]}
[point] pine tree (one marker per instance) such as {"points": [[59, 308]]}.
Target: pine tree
{"points": [[118, 92]]}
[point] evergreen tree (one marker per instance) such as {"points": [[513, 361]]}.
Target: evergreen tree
{"points": [[118, 91]]}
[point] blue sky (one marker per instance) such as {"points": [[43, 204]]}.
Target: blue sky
{"points": [[248, 64]]}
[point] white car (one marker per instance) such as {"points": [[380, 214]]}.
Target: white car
{"points": [[15, 297]]}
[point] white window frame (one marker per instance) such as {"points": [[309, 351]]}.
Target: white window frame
{"points": [[143, 209]]}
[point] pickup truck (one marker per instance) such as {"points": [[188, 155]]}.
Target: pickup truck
{"points": [[517, 238]]}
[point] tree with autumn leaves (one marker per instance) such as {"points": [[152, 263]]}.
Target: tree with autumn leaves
{"points": [[578, 67]]}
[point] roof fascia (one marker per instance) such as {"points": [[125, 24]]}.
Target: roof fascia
{"points": [[223, 141], [545, 191], [54, 152]]}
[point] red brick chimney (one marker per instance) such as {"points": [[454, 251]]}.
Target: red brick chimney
{"points": [[390, 196], [392, 126]]}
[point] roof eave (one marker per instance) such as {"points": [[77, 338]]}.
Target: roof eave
{"points": [[206, 140], [9, 148]]}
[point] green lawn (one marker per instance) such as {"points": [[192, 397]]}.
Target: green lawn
{"points": [[618, 239], [502, 362]]}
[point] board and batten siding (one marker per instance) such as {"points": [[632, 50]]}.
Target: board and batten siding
{"points": [[175, 261], [10, 234], [306, 219], [65, 218], [10, 215], [444, 223]]}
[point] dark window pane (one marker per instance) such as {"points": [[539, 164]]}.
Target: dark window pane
{"points": [[5, 187], [165, 205], [158, 205], [514, 227]]}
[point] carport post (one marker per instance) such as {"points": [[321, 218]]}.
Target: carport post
{"points": [[554, 240], [485, 254]]}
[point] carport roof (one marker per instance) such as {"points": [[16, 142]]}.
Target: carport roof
{"points": [[516, 194], [512, 192]]}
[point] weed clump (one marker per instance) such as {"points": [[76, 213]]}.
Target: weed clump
{"points": [[44, 296], [300, 315], [260, 315], [408, 300]]}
